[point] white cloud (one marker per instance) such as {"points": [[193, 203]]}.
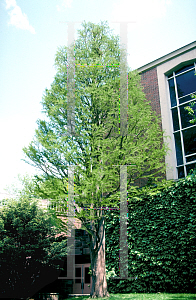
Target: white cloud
{"points": [[65, 4], [17, 17], [139, 11], [10, 3]]}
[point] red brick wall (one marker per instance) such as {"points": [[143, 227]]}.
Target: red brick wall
{"points": [[149, 82]]}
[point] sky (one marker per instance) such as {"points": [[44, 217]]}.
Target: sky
{"points": [[32, 31]]}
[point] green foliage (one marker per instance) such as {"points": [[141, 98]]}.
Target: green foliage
{"points": [[28, 247], [25, 187], [39, 187], [110, 273], [96, 146], [161, 241], [191, 111]]}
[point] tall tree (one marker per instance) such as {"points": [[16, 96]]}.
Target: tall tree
{"points": [[85, 134]]}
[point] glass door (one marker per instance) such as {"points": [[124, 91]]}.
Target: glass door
{"points": [[82, 282]]}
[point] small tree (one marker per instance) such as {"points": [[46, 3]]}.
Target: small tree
{"points": [[94, 147], [30, 252]]}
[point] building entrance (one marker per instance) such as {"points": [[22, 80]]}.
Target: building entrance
{"points": [[83, 281]]}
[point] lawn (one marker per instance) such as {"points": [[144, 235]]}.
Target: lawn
{"points": [[157, 296]]}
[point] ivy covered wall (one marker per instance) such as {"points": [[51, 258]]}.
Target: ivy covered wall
{"points": [[161, 241]]}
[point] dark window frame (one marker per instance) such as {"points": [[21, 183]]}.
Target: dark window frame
{"points": [[182, 164]]}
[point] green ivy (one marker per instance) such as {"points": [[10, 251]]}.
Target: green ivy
{"points": [[161, 241]]}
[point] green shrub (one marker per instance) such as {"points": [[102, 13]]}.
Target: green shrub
{"points": [[31, 254]]}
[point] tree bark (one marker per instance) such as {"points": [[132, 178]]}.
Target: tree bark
{"points": [[97, 255]]}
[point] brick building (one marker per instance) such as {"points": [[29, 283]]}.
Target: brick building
{"points": [[169, 82]]}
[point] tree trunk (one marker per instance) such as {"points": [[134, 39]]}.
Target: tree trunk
{"points": [[97, 254]]}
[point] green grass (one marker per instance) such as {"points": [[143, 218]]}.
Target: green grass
{"points": [[157, 296]]}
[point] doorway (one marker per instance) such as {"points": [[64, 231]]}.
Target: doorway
{"points": [[83, 281]]}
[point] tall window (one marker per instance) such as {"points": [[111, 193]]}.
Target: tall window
{"points": [[182, 84]]}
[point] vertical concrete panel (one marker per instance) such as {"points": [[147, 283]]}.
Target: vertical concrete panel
{"points": [[123, 265]]}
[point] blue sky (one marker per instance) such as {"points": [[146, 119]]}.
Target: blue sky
{"points": [[31, 31]]}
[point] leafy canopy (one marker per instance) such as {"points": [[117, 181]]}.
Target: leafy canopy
{"points": [[95, 145]]}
